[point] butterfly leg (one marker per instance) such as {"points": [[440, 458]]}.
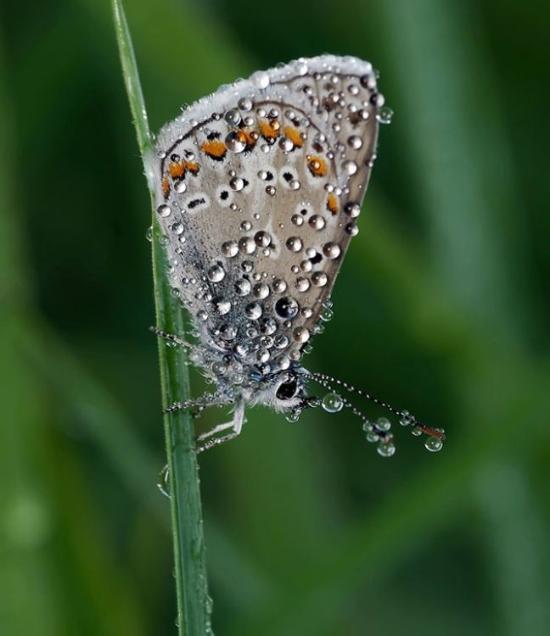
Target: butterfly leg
{"points": [[236, 424], [200, 403], [171, 338]]}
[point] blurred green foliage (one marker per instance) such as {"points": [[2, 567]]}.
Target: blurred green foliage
{"points": [[442, 306]]}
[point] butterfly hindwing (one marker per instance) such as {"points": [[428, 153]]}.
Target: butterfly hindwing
{"points": [[258, 191]]}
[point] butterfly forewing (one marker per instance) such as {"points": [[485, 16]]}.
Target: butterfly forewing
{"points": [[258, 191]]}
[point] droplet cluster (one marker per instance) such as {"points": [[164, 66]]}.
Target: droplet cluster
{"points": [[259, 190]]}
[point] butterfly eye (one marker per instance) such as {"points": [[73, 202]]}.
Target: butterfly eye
{"points": [[287, 390]]}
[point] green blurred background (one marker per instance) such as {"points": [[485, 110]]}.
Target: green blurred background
{"points": [[441, 307]]}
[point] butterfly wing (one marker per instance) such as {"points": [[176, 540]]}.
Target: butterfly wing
{"points": [[258, 190]]}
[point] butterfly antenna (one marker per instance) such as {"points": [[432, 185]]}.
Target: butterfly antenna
{"points": [[436, 436]]}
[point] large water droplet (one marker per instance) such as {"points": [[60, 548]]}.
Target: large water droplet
{"points": [[234, 142], [230, 249], [243, 287], [331, 250], [263, 239], [245, 103], [349, 167], [247, 245], [233, 117], [253, 311], [355, 142], [286, 308], [294, 244], [383, 424], [236, 183], [319, 279], [301, 334], [216, 273], [332, 403], [386, 449], [434, 444]]}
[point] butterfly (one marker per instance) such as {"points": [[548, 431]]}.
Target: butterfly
{"points": [[258, 190]]}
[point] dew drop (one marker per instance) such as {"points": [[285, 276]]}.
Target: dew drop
{"points": [[383, 424], [301, 68], [281, 342], [234, 142], [433, 443], [243, 287], [352, 229], [294, 244], [285, 144], [163, 483], [233, 117], [222, 306], [317, 222], [384, 115], [293, 416], [355, 142], [406, 419], [247, 245], [263, 239], [230, 249], [261, 291], [164, 210], [245, 103], [261, 79], [300, 334], [353, 209], [386, 449], [180, 187], [332, 403], [216, 273], [319, 279], [236, 183], [268, 326], [253, 311], [331, 250], [349, 167], [286, 308], [279, 286]]}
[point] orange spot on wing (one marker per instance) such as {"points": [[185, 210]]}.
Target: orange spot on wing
{"points": [[192, 166], [214, 148], [165, 185], [176, 169], [332, 203], [249, 137], [270, 129], [294, 135], [317, 166]]}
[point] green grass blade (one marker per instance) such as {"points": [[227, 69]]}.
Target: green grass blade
{"points": [[131, 78], [186, 510]]}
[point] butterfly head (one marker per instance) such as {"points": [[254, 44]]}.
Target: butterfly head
{"points": [[284, 391]]}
